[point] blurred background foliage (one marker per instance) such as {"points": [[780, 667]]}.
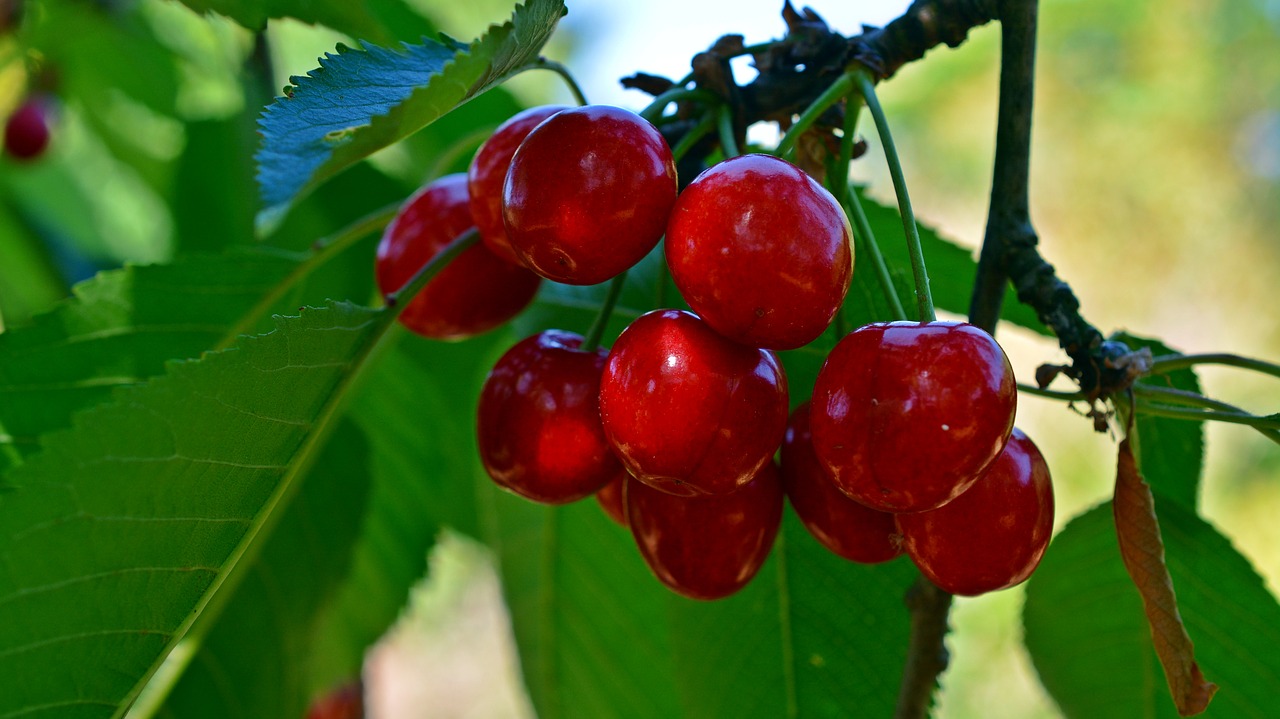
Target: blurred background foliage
{"points": [[1155, 189]]}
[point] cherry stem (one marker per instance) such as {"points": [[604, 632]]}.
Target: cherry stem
{"points": [[724, 125], [1156, 401], [574, 88], [833, 94], [397, 300], [592, 340], [1171, 363], [924, 299], [1052, 394], [927, 655], [653, 112], [862, 228], [693, 135], [322, 250]]}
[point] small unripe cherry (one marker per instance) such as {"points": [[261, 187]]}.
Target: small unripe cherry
{"points": [[475, 293], [488, 172], [992, 536]]}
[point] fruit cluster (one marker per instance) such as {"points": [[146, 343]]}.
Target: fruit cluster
{"points": [[907, 444]]}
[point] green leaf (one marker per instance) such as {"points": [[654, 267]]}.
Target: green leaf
{"points": [[261, 658], [1170, 451], [1090, 642], [119, 329], [357, 19], [359, 102], [159, 494]]}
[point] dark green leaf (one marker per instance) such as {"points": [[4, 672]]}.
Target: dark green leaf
{"points": [[358, 102], [358, 19], [1170, 451], [1090, 642], [158, 494], [260, 659]]}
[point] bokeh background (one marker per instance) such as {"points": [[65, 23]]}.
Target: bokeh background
{"points": [[1155, 176]]}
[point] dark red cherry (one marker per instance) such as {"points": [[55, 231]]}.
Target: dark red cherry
{"points": [[538, 421], [26, 133], [848, 528], [687, 410], [476, 292], [588, 194], [706, 547], [760, 251], [992, 536], [344, 702], [488, 171], [610, 499], [906, 415]]}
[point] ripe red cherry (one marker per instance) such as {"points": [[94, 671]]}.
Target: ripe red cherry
{"points": [[906, 415], [687, 410], [344, 702], [992, 536], [538, 421], [611, 501], [760, 251], [488, 171], [588, 194], [706, 547], [848, 528], [26, 133], [476, 292]]}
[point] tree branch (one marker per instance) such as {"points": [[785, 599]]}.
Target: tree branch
{"points": [[927, 655]]}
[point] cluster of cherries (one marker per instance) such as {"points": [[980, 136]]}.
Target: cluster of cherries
{"points": [[907, 444]]}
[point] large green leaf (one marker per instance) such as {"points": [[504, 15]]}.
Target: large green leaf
{"points": [[367, 20], [120, 328], [1170, 451], [260, 659], [359, 102], [159, 494], [1091, 644]]}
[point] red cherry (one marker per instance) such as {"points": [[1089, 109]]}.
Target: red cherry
{"points": [[344, 702], [760, 251], [688, 411], [992, 536], [611, 501], [476, 292], [848, 528], [538, 420], [488, 171], [706, 547], [906, 415], [588, 194], [26, 133]]}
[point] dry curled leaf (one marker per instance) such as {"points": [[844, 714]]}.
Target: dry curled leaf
{"points": [[1142, 550]]}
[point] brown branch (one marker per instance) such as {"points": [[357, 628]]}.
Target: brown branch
{"points": [[927, 655]]}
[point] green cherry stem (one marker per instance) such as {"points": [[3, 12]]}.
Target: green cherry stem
{"points": [[829, 97], [654, 110], [869, 247], [397, 300], [1157, 401], [724, 125], [574, 88], [596, 333], [697, 132], [924, 298], [1052, 394], [1170, 363]]}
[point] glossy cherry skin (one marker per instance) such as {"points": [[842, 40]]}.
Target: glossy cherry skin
{"points": [[611, 501], [588, 194], [848, 528], [488, 172], [760, 251], [688, 411], [906, 415], [26, 133], [992, 536], [706, 547], [538, 420], [476, 292]]}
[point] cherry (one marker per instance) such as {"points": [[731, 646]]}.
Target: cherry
{"points": [[538, 420], [588, 194], [344, 702], [706, 547], [906, 415], [688, 411], [848, 528], [760, 251], [992, 536], [26, 133], [476, 292], [488, 171], [611, 501]]}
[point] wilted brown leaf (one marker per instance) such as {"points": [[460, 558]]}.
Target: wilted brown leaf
{"points": [[1138, 531]]}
